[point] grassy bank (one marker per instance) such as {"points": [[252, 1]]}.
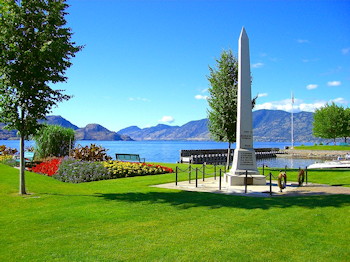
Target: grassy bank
{"points": [[324, 147], [127, 220]]}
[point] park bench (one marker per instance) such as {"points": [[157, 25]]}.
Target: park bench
{"points": [[28, 157], [129, 157]]}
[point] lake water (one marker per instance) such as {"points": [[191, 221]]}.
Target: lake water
{"points": [[169, 151]]}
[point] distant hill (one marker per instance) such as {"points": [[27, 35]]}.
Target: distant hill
{"points": [[275, 125], [58, 120], [90, 132], [194, 130], [7, 134], [98, 132], [268, 126]]}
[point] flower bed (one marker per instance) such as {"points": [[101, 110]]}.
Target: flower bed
{"points": [[77, 171], [127, 169], [4, 158], [49, 167]]}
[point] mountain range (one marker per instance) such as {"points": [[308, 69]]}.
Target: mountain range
{"points": [[268, 126]]}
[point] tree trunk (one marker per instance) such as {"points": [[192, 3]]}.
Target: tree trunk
{"points": [[22, 184], [228, 156]]}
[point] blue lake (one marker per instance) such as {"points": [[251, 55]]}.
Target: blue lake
{"points": [[169, 151]]}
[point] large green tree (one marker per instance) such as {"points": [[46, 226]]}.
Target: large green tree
{"points": [[330, 122], [223, 80], [36, 49], [346, 126]]}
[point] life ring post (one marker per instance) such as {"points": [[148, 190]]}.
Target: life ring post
{"points": [[246, 181]]}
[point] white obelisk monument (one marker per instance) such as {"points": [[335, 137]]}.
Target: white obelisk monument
{"points": [[244, 159]]}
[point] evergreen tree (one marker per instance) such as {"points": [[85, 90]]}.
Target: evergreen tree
{"points": [[36, 49]]}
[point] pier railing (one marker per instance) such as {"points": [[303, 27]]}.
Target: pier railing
{"points": [[219, 156]]}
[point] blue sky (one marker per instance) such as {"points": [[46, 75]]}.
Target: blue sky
{"points": [[146, 62]]}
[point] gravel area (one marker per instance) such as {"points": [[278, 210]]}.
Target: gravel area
{"points": [[326, 154]]}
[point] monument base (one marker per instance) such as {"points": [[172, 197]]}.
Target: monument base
{"points": [[239, 177]]}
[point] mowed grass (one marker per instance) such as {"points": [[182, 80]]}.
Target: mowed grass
{"points": [[324, 147], [128, 220]]}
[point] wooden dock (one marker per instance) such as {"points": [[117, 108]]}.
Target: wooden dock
{"points": [[219, 156]]}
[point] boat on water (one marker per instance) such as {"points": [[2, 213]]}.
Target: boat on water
{"points": [[331, 164]]}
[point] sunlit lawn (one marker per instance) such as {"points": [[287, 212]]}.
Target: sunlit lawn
{"points": [[323, 147], [127, 220]]}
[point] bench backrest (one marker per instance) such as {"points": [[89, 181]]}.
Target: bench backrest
{"points": [[29, 155], [128, 157]]}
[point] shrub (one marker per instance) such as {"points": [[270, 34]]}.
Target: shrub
{"points": [[53, 140], [90, 153], [76, 171], [127, 169], [7, 160], [49, 167], [7, 150]]}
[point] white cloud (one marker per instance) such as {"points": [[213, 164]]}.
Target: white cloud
{"points": [[334, 83], [345, 51], [303, 41], [311, 86], [340, 100], [262, 95], [286, 105], [200, 97], [257, 65], [139, 99], [299, 105], [166, 119]]}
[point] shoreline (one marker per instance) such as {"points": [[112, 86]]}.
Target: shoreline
{"points": [[323, 154]]}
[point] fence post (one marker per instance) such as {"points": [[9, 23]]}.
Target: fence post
{"points": [[306, 175], [176, 175], [246, 181], [263, 169], [196, 177], [215, 171], [220, 180], [189, 174], [270, 184], [203, 170]]}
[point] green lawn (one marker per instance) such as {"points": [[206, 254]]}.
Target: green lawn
{"points": [[323, 147], [126, 220]]}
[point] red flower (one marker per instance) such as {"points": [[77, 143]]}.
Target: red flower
{"points": [[48, 167]]}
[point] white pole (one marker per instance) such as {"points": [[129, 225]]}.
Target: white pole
{"points": [[292, 120]]}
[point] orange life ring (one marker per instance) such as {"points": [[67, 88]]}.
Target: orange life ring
{"points": [[282, 180], [301, 177]]}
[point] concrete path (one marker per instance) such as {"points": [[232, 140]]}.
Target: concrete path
{"points": [[210, 185]]}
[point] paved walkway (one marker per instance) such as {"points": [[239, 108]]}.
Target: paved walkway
{"points": [[211, 185]]}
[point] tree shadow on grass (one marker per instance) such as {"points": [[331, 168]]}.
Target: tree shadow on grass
{"points": [[185, 200]]}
